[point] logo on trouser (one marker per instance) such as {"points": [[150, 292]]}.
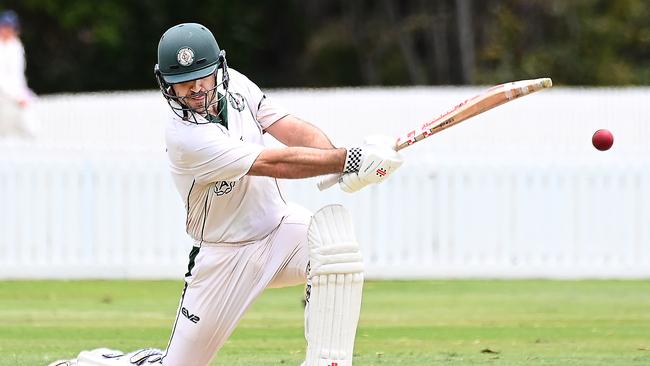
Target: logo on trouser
{"points": [[193, 318], [308, 284]]}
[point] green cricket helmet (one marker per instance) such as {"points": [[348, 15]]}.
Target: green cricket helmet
{"points": [[189, 52]]}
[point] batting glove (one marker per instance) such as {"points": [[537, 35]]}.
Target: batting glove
{"points": [[371, 163]]}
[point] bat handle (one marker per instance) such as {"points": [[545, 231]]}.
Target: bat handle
{"points": [[328, 181]]}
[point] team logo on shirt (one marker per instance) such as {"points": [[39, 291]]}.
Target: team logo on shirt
{"points": [[185, 56], [237, 101], [222, 188]]}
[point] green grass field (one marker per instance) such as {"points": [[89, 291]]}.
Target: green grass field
{"points": [[402, 323]]}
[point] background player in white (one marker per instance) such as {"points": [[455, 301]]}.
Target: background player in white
{"points": [[246, 237], [15, 97]]}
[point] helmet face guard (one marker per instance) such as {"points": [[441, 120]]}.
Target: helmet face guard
{"points": [[188, 52], [212, 98]]}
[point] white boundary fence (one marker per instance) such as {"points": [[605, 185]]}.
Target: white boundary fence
{"points": [[518, 194]]}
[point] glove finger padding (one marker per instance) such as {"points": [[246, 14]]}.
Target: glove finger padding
{"points": [[356, 156], [371, 163], [379, 163]]}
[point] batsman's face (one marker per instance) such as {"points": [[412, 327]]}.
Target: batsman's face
{"points": [[196, 93]]}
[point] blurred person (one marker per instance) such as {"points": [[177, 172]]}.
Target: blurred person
{"points": [[246, 236], [16, 116]]}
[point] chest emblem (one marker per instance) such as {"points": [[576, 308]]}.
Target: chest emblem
{"points": [[222, 188], [237, 101]]}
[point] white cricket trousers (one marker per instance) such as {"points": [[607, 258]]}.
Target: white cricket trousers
{"points": [[16, 121], [224, 280]]}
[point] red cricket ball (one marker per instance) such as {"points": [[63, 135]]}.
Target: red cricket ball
{"points": [[602, 139]]}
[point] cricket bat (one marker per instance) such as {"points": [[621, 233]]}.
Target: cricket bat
{"points": [[493, 97]]}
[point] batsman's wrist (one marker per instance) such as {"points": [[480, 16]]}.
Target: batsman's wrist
{"points": [[353, 159]]}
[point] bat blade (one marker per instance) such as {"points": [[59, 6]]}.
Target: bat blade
{"points": [[493, 97]]}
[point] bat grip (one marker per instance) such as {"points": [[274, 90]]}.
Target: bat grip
{"points": [[328, 181]]}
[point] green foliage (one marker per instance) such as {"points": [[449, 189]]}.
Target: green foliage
{"points": [[79, 45], [411, 323], [586, 42]]}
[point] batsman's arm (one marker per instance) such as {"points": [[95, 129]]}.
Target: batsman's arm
{"points": [[298, 162], [292, 131]]}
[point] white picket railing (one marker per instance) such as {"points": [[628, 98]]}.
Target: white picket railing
{"points": [[505, 219], [68, 216], [511, 196]]}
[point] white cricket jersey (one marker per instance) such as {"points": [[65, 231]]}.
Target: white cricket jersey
{"points": [[12, 70], [209, 164]]}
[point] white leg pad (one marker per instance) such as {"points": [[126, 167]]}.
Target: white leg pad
{"points": [[335, 285]]}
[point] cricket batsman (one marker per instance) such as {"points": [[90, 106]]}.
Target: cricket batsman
{"points": [[246, 236]]}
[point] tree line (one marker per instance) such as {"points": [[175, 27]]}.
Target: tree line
{"points": [[81, 45]]}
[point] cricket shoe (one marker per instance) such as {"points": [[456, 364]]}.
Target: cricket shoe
{"points": [[64, 363], [109, 357]]}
